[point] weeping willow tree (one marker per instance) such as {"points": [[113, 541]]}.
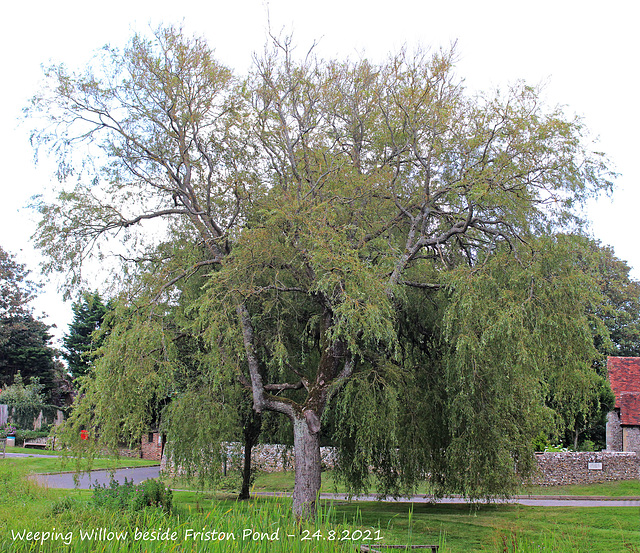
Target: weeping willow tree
{"points": [[344, 214]]}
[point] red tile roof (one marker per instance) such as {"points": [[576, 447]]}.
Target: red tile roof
{"points": [[630, 409], [624, 376]]}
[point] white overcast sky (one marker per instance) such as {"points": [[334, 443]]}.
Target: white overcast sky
{"points": [[585, 52]]}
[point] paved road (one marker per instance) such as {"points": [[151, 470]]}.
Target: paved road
{"points": [[65, 480], [539, 500], [139, 474]]}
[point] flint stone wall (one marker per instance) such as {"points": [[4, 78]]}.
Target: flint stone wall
{"points": [[563, 468], [554, 469], [266, 457], [614, 431], [631, 438], [274, 458]]}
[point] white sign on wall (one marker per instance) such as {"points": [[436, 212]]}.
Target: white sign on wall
{"points": [[595, 466]]}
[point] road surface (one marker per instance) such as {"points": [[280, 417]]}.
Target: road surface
{"points": [[85, 481], [139, 474]]}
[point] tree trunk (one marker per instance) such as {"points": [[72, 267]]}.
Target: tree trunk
{"points": [[251, 432], [307, 458], [246, 471]]}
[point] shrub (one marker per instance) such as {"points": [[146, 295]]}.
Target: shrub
{"points": [[156, 494], [541, 441], [587, 445], [7, 430], [556, 449], [127, 496]]}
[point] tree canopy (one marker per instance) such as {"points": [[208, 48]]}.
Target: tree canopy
{"points": [[352, 223]]}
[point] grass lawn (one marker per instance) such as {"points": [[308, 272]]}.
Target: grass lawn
{"points": [[607, 489], [504, 528], [509, 527], [49, 464], [32, 451], [495, 528]]}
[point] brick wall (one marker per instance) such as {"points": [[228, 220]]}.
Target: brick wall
{"points": [[151, 446], [557, 469]]}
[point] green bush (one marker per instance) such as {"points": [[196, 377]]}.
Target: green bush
{"points": [[541, 441], [156, 494], [556, 449], [587, 445], [133, 497]]}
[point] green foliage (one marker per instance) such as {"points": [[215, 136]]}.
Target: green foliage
{"points": [[558, 448], [197, 422], [88, 314], [62, 505], [367, 239], [26, 349], [127, 496], [25, 342], [132, 364], [619, 308], [366, 430], [541, 442], [22, 435], [500, 321], [25, 401], [7, 430], [156, 494]]}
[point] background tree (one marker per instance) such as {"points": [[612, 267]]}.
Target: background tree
{"points": [[16, 290], [88, 313], [25, 342], [26, 349], [323, 196], [620, 308]]}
